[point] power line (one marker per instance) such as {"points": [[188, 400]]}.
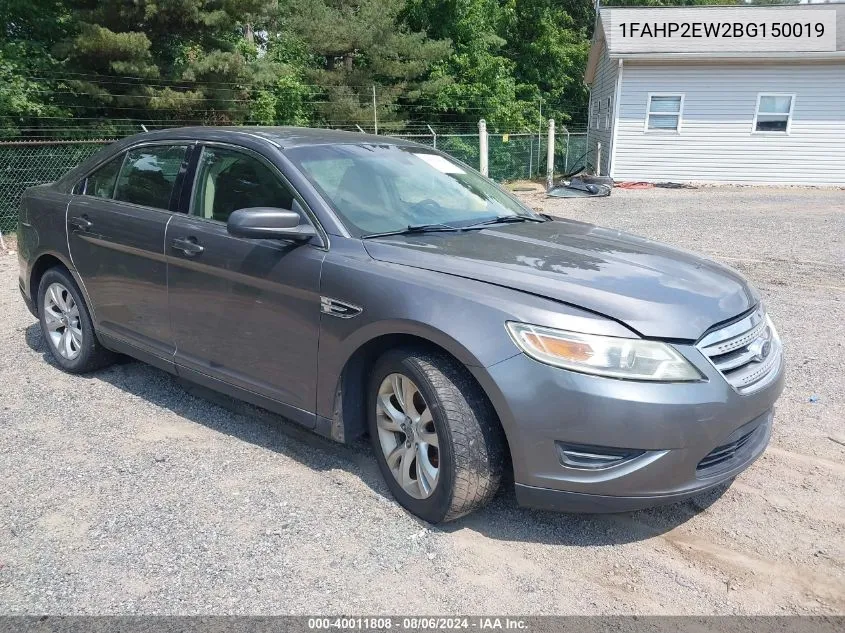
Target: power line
{"points": [[451, 100]]}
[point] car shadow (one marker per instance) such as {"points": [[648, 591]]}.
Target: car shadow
{"points": [[502, 519]]}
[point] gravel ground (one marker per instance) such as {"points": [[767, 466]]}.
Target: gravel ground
{"points": [[123, 493]]}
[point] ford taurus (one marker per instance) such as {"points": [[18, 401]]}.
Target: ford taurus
{"points": [[360, 285]]}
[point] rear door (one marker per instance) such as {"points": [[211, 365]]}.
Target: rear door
{"points": [[244, 311], [116, 229]]}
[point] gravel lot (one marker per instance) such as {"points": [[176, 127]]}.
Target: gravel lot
{"points": [[122, 493]]}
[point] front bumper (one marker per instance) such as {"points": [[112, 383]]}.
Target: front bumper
{"points": [[670, 428], [577, 502]]}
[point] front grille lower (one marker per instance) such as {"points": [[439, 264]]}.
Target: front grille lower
{"points": [[747, 353], [725, 454]]}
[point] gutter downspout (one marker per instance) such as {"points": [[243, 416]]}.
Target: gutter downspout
{"points": [[615, 122]]}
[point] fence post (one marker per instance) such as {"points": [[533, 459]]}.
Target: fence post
{"points": [[433, 134], [482, 147], [375, 111], [530, 155], [598, 159], [550, 155], [566, 157]]}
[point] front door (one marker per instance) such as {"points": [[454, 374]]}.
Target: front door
{"points": [[116, 239], [244, 311]]}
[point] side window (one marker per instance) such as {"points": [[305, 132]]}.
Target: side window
{"points": [[148, 175], [664, 113], [229, 180], [101, 182], [774, 112]]}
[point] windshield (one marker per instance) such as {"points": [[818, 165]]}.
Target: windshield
{"points": [[383, 188]]}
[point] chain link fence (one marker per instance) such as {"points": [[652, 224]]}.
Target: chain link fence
{"points": [[515, 156], [24, 164], [511, 156]]}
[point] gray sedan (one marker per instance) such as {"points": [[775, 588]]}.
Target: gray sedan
{"points": [[363, 285]]}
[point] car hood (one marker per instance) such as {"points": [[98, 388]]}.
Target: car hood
{"points": [[656, 290]]}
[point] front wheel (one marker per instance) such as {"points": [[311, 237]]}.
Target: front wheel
{"points": [[437, 441]]}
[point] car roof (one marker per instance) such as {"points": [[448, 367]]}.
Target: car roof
{"points": [[283, 136]]}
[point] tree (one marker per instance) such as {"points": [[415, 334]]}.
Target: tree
{"points": [[549, 41], [27, 94], [358, 44], [167, 60], [481, 80]]}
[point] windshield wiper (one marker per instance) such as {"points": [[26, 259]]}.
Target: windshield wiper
{"points": [[505, 219], [415, 228]]}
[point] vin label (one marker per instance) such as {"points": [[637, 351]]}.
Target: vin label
{"points": [[722, 30]]}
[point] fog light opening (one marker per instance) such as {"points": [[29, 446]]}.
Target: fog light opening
{"points": [[588, 457]]}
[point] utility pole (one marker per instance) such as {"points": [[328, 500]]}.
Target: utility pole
{"points": [[375, 111]]}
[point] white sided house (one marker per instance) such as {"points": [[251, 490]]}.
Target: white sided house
{"points": [[730, 94]]}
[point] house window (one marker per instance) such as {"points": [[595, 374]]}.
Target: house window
{"points": [[595, 118], [664, 113], [607, 114], [774, 113]]}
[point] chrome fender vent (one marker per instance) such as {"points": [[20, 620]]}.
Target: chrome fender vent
{"points": [[339, 309]]}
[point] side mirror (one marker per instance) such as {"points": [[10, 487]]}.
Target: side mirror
{"points": [[270, 223]]}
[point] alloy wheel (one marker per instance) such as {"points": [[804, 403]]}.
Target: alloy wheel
{"points": [[61, 316], [408, 436]]}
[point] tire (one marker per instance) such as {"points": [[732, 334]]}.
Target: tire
{"points": [[471, 452], [86, 353]]}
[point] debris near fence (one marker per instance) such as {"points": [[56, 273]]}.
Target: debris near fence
{"points": [[579, 188], [634, 185]]}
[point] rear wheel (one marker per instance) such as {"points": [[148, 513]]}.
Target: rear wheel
{"points": [[437, 441], [66, 324]]}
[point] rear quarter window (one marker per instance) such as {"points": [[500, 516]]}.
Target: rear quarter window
{"points": [[101, 183]]}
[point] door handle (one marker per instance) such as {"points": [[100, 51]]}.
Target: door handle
{"points": [[82, 223], [187, 245]]}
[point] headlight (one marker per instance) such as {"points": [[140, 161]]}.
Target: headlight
{"points": [[632, 359]]}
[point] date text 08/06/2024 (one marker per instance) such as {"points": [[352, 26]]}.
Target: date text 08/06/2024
{"points": [[484, 623]]}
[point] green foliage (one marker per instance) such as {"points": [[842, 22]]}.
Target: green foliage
{"points": [[27, 97], [549, 42], [112, 64], [356, 44], [511, 58], [476, 79]]}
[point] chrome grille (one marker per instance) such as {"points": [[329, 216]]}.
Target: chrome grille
{"points": [[747, 353]]}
